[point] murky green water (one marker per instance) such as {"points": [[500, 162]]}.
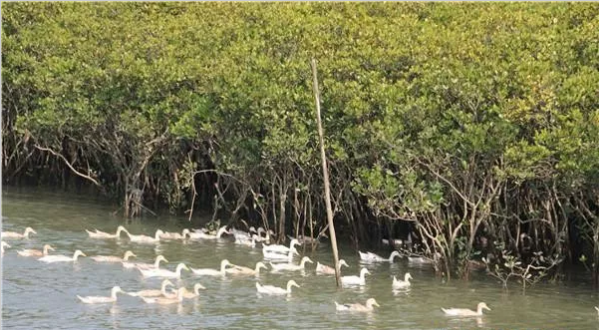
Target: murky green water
{"points": [[43, 296]]}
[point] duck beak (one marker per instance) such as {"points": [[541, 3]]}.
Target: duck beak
{"points": [[377, 304]]}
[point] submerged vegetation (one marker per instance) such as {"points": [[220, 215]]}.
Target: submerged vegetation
{"points": [[469, 130]]}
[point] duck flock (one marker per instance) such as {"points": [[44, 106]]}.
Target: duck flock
{"points": [[280, 258]]}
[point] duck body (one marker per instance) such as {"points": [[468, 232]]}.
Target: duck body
{"points": [[103, 235], [165, 300], [273, 290], [62, 258], [4, 244], [146, 239], [165, 273], [126, 257], [143, 265], [186, 293], [357, 307], [102, 300], [399, 284], [371, 257], [201, 235], [174, 235], [15, 235], [210, 271], [153, 292], [240, 270], [276, 248], [328, 270], [275, 256], [465, 311], [355, 280], [291, 266], [36, 253]]}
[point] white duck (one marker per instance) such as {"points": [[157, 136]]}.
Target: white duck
{"points": [[143, 265], [36, 253], [266, 238], [153, 292], [241, 240], [324, 269], [371, 257], [280, 257], [357, 307], [277, 248], [290, 266], [210, 271], [187, 294], [399, 284], [164, 272], [165, 300], [269, 289], [126, 257], [355, 280], [103, 235], [15, 235], [465, 311], [174, 235], [62, 258], [102, 300], [146, 239], [201, 235], [4, 244], [240, 270]]}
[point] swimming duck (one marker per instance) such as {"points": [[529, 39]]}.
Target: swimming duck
{"points": [[153, 292], [102, 300], [279, 256], [371, 257], [146, 239], [36, 253], [103, 235], [420, 260], [174, 235], [399, 284], [355, 280], [143, 265], [266, 238], [290, 266], [62, 258], [324, 269], [240, 270], [15, 235], [164, 272], [187, 294], [4, 244], [241, 240], [165, 300], [212, 272], [358, 307], [269, 289], [126, 257], [465, 311], [201, 235], [277, 248]]}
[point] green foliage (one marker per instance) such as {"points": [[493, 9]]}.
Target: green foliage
{"points": [[430, 110]]}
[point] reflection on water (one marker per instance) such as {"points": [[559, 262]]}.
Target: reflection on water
{"points": [[43, 296]]}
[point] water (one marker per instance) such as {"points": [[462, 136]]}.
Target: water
{"points": [[43, 296]]}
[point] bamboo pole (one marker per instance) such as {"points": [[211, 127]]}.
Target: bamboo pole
{"points": [[325, 174]]}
